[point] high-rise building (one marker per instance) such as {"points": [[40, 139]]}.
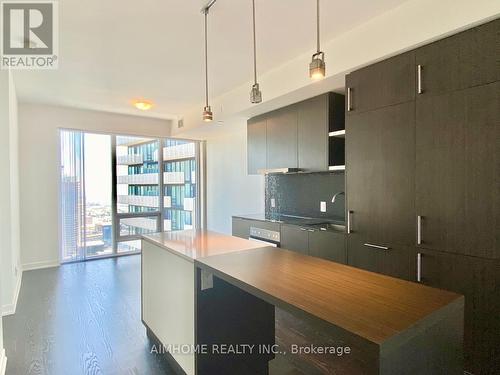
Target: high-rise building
{"points": [[139, 183]]}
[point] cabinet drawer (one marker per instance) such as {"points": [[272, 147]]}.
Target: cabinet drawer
{"points": [[295, 238], [386, 259], [328, 245]]}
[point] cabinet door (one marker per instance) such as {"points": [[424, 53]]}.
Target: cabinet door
{"points": [[392, 261], [388, 82], [241, 227], [313, 134], [460, 61], [380, 168], [328, 245], [479, 281], [457, 164], [294, 238], [256, 144], [282, 138]]}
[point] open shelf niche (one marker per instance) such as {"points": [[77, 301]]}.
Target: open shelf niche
{"points": [[336, 136]]}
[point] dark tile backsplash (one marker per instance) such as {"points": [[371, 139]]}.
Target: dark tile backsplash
{"points": [[301, 193]]}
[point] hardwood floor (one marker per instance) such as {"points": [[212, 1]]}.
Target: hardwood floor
{"points": [[81, 318]]}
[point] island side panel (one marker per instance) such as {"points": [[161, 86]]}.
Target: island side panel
{"points": [[168, 300], [432, 346]]}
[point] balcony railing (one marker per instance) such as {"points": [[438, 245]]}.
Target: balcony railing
{"points": [[170, 178], [149, 224], [136, 200], [130, 159], [167, 201], [184, 151], [189, 204], [139, 179]]}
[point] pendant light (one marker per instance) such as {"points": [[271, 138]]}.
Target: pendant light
{"points": [[255, 93], [207, 110], [317, 65]]}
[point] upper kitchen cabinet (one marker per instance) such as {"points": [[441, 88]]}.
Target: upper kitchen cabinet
{"points": [[388, 82], [256, 144], [313, 134], [460, 61], [317, 117], [457, 171], [297, 136], [282, 138]]}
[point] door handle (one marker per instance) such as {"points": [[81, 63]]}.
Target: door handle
{"points": [[349, 104], [419, 267], [419, 230], [303, 229], [349, 225], [376, 246], [420, 90]]}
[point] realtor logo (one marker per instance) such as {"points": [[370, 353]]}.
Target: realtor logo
{"points": [[29, 35]]}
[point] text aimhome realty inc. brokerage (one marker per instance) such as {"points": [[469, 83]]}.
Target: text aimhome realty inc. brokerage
{"points": [[246, 349]]}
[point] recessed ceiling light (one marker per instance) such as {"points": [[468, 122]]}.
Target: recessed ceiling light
{"points": [[143, 104]]}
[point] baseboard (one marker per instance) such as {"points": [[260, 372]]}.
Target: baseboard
{"points": [[3, 362], [10, 309], [40, 265]]}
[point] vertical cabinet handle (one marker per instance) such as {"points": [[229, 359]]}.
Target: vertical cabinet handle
{"points": [[419, 230], [420, 90], [419, 267], [349, 227], [349, 104]]}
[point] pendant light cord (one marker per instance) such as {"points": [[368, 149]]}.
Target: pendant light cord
{"points": [[254, 45], [317, 25], [206, 58]]}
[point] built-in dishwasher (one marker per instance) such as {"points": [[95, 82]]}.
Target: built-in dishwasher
{"points": [[266, 236]]}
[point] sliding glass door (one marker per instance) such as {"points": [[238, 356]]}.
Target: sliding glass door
{"points": [[138, 190], [116, 188]]}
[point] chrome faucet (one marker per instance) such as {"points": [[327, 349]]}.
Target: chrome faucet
{"points": [[336, 195]]}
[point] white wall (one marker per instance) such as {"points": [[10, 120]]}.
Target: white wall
{"points": [[39, 169], [9, 195], [413, 23], [230, 190]]}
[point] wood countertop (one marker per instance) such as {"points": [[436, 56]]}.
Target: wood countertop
{"points": [[372, 306], [194, 244]]}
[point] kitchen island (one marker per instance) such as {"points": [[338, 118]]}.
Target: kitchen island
{"points": [[390, 326], [167, 276], [242, 306]]}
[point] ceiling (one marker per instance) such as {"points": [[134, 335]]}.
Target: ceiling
{"points": [[116, 50]]}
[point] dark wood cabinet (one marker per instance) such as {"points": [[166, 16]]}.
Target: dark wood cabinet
{"points": [[328, 245], [388, 82], [457, 170], [380, 164], [460, 61], [282, 138], [313, 134], [391, 260], [256, 144], [479, 281], [296, 136], [295, 238], [435, 155]]}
